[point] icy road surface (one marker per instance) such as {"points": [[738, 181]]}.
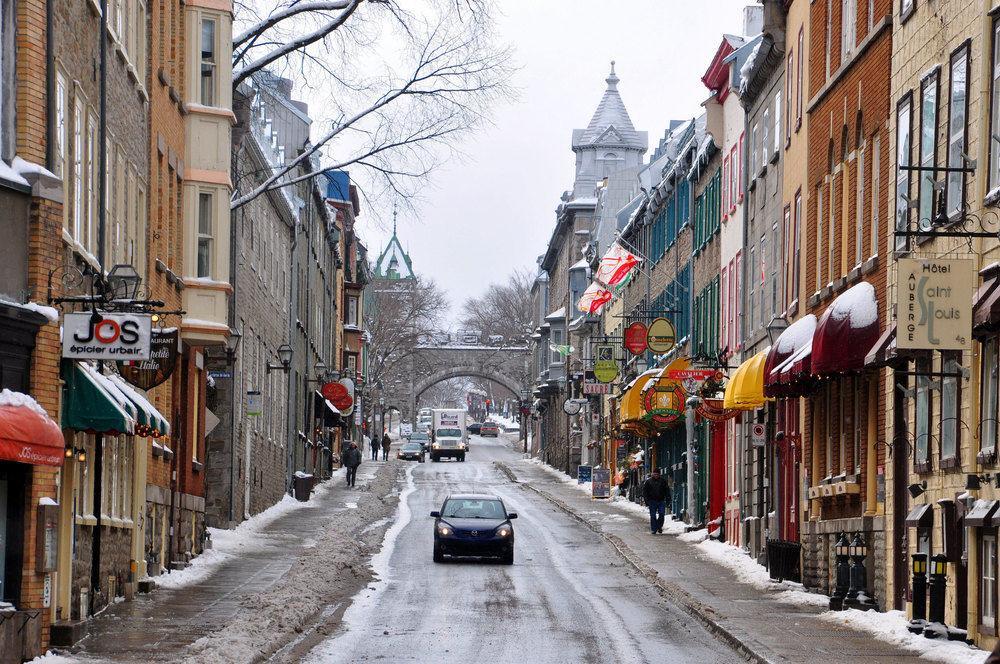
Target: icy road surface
{"points": [[567, 598]]}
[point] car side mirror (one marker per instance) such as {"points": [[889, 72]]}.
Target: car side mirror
{"points": [[511, 515], [436, 514]]}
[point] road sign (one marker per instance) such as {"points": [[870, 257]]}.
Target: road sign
{"points": [[757, 435]]}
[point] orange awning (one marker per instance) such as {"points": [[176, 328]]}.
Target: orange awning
{"points": [[27, 433]]}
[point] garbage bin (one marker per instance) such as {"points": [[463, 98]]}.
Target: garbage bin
{"points": [[302, 486]]}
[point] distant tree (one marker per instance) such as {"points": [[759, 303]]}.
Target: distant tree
{"points": [[503, 309], [400, 81]]}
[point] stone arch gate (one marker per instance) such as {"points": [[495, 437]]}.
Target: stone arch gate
{"points": [[433, 363]]}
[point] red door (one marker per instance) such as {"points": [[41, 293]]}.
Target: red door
{"points": [[717, 471]]}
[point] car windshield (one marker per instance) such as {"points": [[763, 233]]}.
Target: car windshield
{"points": [[418, 436], [466, 508], [411, 447], [449, 433]]}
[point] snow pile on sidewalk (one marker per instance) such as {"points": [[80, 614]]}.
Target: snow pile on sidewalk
{"points": [[242, 539], [891, 628], [52, 658], [670, 525]]}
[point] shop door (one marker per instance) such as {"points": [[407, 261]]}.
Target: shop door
{"points": [[12, 479], [717, 471]]}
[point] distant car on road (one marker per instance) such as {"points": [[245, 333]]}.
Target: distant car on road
{"points": [[511, 428], [411, 452], [489, 429], [421, 438], [474, 427], [474, 524]]}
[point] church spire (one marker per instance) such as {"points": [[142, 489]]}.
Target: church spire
{"points": [[612, 79], [394, 219]]}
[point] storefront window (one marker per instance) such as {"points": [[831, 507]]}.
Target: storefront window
{"points": [[860, 396]]}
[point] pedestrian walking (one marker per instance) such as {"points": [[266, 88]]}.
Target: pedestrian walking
{"points": [[352, 459], [386, 442], [374, 445], [656, 493]]}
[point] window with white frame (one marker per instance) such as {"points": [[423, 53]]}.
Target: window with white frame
{"points": [[994, 136], [352, 310], [753, 151], [557, 339], [958, 107], [876, 177], [819, 237], [206, 232], [777, 121], [61, 156], [78, 172], [798, 79], [765, 143], [904, 113], [988, 580], [797, 244], [848, 27], [859, 211], [209, 57], [94, 190], [927, 147], [752, 281], [828, 36], [989, 384], [951, 366], [922, 416]]}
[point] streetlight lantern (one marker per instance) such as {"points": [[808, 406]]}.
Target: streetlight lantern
{"points": [[233, 342], [775, 328], [285, 356], [320, 368], [123, 281]]}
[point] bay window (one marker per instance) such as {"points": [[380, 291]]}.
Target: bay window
{"points": [[208, 61], [206, 227]]}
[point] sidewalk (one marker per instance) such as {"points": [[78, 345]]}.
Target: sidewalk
{"points": [[769, 625], [250, 564]]}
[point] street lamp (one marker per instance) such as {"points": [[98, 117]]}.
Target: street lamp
{"points": [[232, 343], [775, 328], [285, 356], [320, 368], [123, 282]]}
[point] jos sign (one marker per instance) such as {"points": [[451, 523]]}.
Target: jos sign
{"points": [[933, 307], [113, 337]]}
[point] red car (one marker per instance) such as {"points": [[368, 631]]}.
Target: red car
{"points": [[489, 429]]}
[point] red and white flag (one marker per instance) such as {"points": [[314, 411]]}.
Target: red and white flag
{"points": [[594, 299], [615, 266]]}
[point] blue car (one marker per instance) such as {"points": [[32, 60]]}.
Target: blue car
{"points": [[474, 525]]}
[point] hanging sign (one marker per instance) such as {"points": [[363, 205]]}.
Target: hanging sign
{"points": [[696, 374], [933, 303], [713, 411], [605, 365], [113, 337], [636, 338], [337, 393], [664, 405], [147, 374], [254, 406], [572, 406], [660, 336]]}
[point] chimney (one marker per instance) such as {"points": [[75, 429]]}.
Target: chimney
{"points": [[774, 22], [753, 20], [284, 87]]}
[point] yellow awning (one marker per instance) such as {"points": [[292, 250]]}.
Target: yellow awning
{"points": [[631, 403], [745, 390]]}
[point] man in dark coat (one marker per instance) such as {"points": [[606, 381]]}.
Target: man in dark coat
{"points": [[656, 493], [375, 444], [352, 459], [386, 442]]}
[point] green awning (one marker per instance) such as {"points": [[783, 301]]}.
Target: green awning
{"points": [[91, 404], [148, 413]]}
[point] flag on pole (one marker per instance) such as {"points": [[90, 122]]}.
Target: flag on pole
{"points": [[593, 299], [615, 266], [563, 350]]}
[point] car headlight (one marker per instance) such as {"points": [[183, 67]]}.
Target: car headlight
{"points": [[444, 530], [437, 445], [504, 531]]}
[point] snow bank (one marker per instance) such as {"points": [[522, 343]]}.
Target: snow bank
{"points": [[51, 658], [891, 628], [244, 538]]}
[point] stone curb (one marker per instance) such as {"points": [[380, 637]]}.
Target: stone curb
{"points": [[704, 613]]}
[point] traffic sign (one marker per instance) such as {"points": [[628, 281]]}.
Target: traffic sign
{"points": [[757, 435]]}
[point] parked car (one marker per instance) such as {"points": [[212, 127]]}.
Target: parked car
{"points": [[474, 427], [411, 452], [511, 428], [473, 524], [421, 438], [489, 429]]}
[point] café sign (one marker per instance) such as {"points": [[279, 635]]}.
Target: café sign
{"points": [[113, 337], [660, 336], [147, 374], [933, 304], [605, 365], [635, 338]]}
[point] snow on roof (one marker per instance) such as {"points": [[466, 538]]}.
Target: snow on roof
{"points": [[9, 174], [580, 264], [747, 65], [51, 313], [12, 398], [582, 201], [45, 500], [796, 335], [858, 304], [558, 314]]}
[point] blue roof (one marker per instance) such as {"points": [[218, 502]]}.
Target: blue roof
{"points": [[338, 185]]}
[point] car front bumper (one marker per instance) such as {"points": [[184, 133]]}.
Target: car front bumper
{"points": [[457, 546]]}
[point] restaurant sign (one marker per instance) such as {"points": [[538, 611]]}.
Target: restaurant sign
{"points": [[635, 338], [147, 374], [660, 336], [933, 305], [664, 404], [605, 365], [112, 337], [340, 394]]}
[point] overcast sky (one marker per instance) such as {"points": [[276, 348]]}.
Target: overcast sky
{"points": [[494, 211]]}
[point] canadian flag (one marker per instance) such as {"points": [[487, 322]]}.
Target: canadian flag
{"points": [[594, 299], [615, 266]]}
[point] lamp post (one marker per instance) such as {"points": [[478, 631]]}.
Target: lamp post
{"points": [[232, 345], [918, 594], [523, 412], [935, 610], [843, 552]]}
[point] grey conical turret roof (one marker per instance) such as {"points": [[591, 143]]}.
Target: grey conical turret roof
{"points": [[610, 124]]}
